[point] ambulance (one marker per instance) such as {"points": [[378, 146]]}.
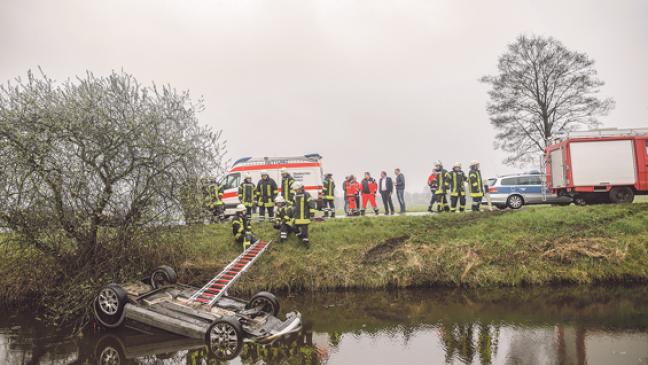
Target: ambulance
{"points": [[307, 169]]}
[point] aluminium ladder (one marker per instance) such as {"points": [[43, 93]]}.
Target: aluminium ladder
{"points": [[217, 287]]}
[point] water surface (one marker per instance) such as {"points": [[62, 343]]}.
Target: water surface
{"points": [[597, 325]]}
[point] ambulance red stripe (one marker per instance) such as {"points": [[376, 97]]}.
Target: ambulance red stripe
{"points": [[276, 166]]}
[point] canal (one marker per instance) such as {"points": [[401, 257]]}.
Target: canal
{"points": [[582, 325]]}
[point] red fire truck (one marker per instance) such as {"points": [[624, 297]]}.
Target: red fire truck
{"points": [[599, 166]]}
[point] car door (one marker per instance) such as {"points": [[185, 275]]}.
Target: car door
{"points": [[535, 189]]}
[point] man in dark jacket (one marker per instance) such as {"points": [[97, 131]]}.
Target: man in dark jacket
{"points": [[400, 189], [386, 188]]}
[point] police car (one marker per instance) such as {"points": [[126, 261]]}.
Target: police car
{"points": [[516, 190]]}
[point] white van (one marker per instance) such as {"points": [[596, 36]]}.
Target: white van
{"points": [[306, 169]]}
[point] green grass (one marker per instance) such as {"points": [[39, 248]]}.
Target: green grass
{"points": [[534, 246]]}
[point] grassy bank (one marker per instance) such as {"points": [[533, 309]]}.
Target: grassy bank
{"points": [[534, 246]]}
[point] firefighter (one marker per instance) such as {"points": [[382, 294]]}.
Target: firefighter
{"points": [[352, 189], [214, 200], [266, 192], [287, 182], [441, 184], [282, 220], [246, 194], [432, 183], [368, 188], [328, 198], [476, 185], [242, 227], [302, 211], [457, 179]]}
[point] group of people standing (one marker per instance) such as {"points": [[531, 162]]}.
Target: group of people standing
{"points": [[442, 182], [364, 192]]}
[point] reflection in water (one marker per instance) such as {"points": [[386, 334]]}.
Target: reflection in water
{"points": [[507, 326]]}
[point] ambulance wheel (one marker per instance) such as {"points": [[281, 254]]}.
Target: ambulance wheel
{"points": [[163, 275], [267, 301], [109, 305], [580, 200], [224, 338], [621, 195]]}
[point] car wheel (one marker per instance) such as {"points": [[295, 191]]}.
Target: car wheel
{"points": [[162, 276], [515, 202], [109, 351], [266, 301], [224, 338], [109, 305], [621, 195]]}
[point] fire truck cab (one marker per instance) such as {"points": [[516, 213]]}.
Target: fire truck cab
{"points": [[306, 169], [599, 166]]}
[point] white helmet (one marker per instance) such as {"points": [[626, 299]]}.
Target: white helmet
{"points": [[247, 176], [456, 164], [279, 199], [264, 172], [284, 170], [240, 208], [297, 185], [438, 163], [474, 163]]}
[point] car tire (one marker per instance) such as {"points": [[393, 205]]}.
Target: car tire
{"points": [[515, 201], [224, 338], [162, 276], [109, 350], [621, 195], [268, 302], [109, 305]]}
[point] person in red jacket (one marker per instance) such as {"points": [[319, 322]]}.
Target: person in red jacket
{"points": [[351, 189], [368, 188]]}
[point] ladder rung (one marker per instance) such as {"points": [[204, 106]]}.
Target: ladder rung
{"points": [[202, 300], [212, 290]]}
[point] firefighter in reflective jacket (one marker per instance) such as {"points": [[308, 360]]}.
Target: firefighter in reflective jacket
{"points": [[287, 182], [302, 211], [242, 227], [266, 193], [441, 184], [457, 180], [282, 220], [246, 193], [328, 199], [214, 200], [476, 185]]}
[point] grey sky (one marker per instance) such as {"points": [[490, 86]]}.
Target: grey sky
{"points": [[369, 84]]}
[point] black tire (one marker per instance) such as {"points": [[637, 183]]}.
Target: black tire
{"points": [[224, 338], [267, 301], [162, 276], [621, 195], [109, 304], [515, 201], [109, 350]]}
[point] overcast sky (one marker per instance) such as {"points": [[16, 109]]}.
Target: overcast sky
{"points": [[369, 84]]}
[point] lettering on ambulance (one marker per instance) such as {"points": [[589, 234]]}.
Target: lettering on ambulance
{"points": [[299, 176]]}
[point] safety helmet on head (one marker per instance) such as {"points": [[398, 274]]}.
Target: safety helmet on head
{"points": [[247, 176], [279, 199], [456, 165], [264, 172], [474, 163], [240, 208], [297, 185], [284, 170], [438, 163]]}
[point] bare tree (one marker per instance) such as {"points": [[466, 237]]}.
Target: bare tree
{"points": [[541, 88], [97, 154]]}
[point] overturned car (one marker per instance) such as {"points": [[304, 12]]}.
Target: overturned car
{"points": [[206, 313]]}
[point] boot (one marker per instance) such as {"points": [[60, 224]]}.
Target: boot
{"points": [[376, 211], [306, 242], [362, 211], [333, 214]]}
